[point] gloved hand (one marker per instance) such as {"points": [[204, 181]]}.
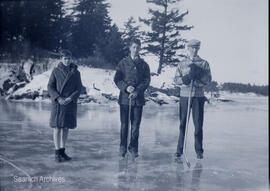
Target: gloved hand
{"points": [[61, 100], [130, 89], [133, 95], [186, 79], [195, 71], [67, 100]]}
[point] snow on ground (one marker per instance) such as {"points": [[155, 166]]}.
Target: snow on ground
{"points": [[165, 79], [162, 98], [100, 81], [152, 61], [96, 81], [39, 83]]}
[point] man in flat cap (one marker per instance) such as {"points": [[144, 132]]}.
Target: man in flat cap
{"points": [[192, 74]]}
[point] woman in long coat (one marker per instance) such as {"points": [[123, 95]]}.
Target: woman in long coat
{"points": [[64, 88]]}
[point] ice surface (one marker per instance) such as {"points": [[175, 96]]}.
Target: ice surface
{"points": [[235, 143]]}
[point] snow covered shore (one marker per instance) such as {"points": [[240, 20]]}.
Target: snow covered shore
{"points": [[100, 88]]}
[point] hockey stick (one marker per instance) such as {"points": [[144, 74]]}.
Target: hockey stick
{"points": [[128, 128], [186, 127], [129, 133]]}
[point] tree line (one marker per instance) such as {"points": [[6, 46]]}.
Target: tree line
{"points": [[245, 88], [237, 88], [40, 28]]}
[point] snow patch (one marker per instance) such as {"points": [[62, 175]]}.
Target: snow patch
{"points": [[165, 79]]}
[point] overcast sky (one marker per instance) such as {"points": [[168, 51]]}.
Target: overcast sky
{"points": [[234, 34]]}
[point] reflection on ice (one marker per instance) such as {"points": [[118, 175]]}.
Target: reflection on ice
{"points": [[182, 177], [196, 175], [127, 177]]}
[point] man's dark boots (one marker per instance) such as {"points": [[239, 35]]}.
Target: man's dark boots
{"points": [[58, 157], [64, 155], [122, 152], [199, 156], [134, 154]]}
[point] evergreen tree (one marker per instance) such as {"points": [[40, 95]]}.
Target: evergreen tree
{"points": [[164, 39], [91, 23], [131, 31], [245, 88], [112, 47], [11, 24], [57, 24], [44, 23], [37, 24]]}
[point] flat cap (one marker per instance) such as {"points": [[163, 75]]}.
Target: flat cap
{"points": [[193, 43]]}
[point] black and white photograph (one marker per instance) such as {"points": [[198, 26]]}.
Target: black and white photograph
{"points": [[134, 95]]}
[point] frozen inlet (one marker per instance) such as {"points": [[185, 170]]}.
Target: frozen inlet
{"points": [[235, 143]]}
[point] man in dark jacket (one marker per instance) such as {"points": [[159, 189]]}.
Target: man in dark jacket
{"points": [[132, 77], [64, 88], [192, 71]]}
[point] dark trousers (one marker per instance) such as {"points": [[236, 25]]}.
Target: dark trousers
{"points": [[135, 118], [197, 108]]}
